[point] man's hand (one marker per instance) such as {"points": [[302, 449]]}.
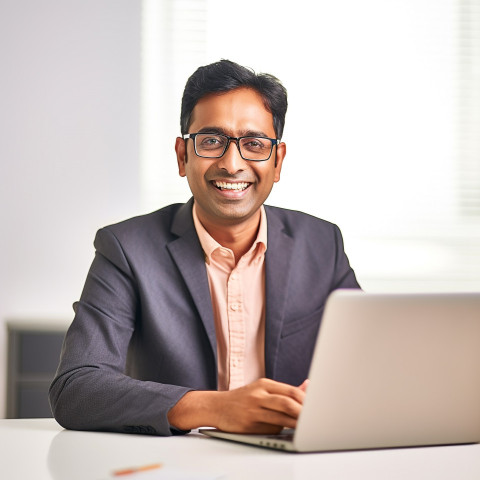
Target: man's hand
{"points": [[264, 406]]}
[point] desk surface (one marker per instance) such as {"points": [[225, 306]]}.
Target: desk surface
{"points": [[41, 449]]}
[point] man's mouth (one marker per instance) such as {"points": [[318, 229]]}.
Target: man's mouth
{"points": [[238, 187]]}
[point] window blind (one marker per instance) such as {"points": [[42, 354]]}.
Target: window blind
{"points": [[383, 128]]}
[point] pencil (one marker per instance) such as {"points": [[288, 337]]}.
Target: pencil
{"points": [[144, 468]]}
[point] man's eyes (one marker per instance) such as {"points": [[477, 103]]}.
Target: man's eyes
{"points": [[212, 141], [254, 143], [249, 143]]}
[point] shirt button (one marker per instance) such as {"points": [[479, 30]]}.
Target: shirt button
{"points": [[234, 276], [234, 307]]}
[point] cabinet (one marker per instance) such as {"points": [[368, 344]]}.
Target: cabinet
{"points": [[33, 353]]}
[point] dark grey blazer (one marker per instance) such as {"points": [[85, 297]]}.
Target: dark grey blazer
{"points": [[143, 333]]}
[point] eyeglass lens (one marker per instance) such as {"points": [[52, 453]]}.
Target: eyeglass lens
{"points": [[214, 146]]}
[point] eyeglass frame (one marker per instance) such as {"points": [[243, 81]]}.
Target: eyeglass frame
{"points": [[274, 142]]}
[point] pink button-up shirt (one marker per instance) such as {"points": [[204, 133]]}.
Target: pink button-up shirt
{"points": [[238, 300]]}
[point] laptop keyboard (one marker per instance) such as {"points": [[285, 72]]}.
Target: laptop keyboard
{"points": [[286, 437]]}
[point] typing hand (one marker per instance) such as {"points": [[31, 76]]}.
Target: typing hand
{"points": [[264, 406]]}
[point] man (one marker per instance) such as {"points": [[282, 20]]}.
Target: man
{"points": [[205, 313]]}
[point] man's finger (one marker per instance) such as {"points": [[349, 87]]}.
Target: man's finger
{"points": [[285, 389], [304, 385], [284, 405]]}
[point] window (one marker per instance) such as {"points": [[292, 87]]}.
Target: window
{"points": [[392, 92]]}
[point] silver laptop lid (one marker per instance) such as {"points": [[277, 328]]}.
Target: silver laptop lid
{"points": [[394, 370]]}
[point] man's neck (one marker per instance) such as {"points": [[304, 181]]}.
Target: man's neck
{"points": [[238, 237]]}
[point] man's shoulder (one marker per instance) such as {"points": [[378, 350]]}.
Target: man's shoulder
{"points": [[160, 216], [154, 225], [294, 220]]}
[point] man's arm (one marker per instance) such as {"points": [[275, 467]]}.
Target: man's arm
{"points": [[92, 390], [264, 406], [344, 276]]}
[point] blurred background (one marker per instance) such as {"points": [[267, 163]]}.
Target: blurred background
{"points": [[383, 132]]}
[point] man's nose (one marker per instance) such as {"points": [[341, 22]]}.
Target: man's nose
{"points": [[231, 160]]}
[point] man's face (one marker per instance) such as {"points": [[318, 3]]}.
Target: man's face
{"points": [[236, 113]]}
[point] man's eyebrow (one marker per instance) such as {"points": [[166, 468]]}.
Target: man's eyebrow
{"points": [[253, 133], [216, 130], [242, 133]]}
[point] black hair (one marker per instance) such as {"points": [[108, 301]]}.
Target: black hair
{"points": [[225, 75]]}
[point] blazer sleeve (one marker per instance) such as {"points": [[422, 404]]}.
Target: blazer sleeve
{"points": [[344, 276], [91, 390]]}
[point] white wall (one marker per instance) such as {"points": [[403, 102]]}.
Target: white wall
{"points": [[69, 129]]}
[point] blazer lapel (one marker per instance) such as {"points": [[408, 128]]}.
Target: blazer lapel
{"points": [[278, 259], [187, 253]]}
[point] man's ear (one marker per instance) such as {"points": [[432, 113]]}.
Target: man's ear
{"points": [[280, 155], [181, 152]]}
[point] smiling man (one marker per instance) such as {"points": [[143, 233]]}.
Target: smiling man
{"points": [[205, 313]]}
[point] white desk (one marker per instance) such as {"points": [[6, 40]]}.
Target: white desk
{"points": [[40, 449]]}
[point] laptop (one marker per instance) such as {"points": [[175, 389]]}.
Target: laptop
{"points": [[388, 370]]}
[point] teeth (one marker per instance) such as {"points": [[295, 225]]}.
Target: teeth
{"points": [[231, 186]]}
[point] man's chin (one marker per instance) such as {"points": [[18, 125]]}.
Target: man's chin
{"points": [[234, 214]]}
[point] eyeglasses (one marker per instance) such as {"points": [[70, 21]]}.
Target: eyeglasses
{"points": [[213, 145]]}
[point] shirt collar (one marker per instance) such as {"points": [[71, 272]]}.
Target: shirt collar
{"points": [[209, 244]]}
